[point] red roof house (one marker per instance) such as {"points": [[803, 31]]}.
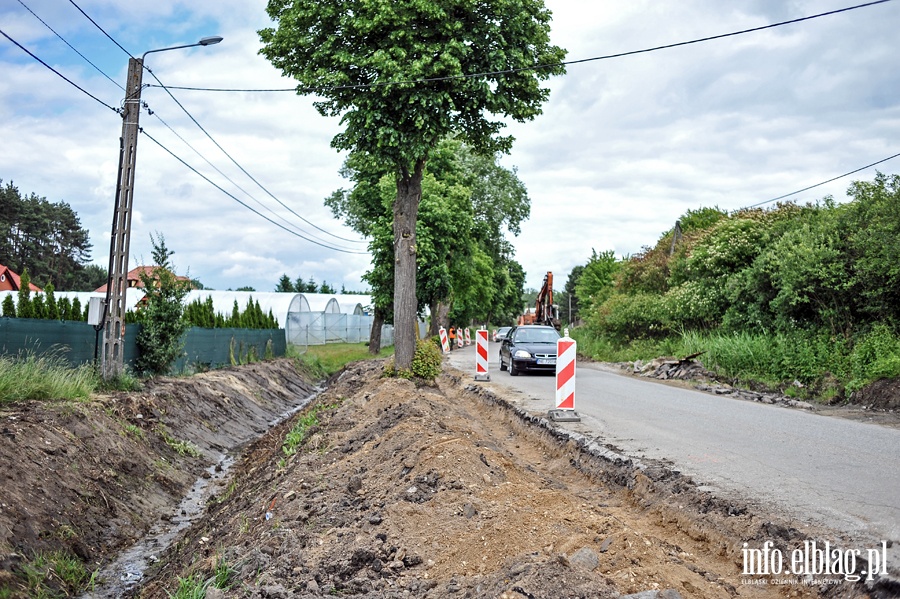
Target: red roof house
{"points": [[10, 281], [134, 278]]}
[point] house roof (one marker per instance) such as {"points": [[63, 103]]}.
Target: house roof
{"points": [[15, 282], [134, 278]]}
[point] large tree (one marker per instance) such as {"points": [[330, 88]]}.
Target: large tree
{"points": [[405, 74], [47, 239], [465, 265]]}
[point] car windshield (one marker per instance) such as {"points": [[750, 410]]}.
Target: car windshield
{"points": [[536, 336]]}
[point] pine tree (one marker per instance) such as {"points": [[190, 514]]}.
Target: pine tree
{"points": [[52, 309], [65, 308], [38, 306], [75, 312], [9, 306], [24, 307]]}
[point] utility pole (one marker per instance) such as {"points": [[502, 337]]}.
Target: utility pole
{"points": [[113, 356], [112, 359]]}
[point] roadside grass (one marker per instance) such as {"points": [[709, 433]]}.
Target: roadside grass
{"points": [[827, 367], [46, 572], [325, 360], [44, 377]]}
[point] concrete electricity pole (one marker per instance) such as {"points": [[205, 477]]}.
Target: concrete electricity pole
{"points": [[112, 360]]}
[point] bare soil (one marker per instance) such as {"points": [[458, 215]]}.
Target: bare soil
{"points": [[400, 490]]}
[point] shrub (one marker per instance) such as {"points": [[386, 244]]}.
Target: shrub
{"points": [[427, 360], [632, 316], [160, 340]]}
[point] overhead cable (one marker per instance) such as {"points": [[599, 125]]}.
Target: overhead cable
{"points": [[862, 168], [250, 208], [243, 170], [111, 38], [67, 80], [541, 66], [229, 179], [211, 137], [86, 59]]}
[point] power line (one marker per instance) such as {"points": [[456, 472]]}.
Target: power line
{"points": [[243, 170], [86, 59], [542, 66], [229, 179], [88, 17], [67, 80], [250, 208], [180, 105], [862, 168]]}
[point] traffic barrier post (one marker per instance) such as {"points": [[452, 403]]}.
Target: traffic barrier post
{"points": [[565, 381], [481, 355], [468, 337], [445, 344]]}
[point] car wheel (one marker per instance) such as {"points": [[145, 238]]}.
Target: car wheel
{"points": [[502, 365], [513, 371]]}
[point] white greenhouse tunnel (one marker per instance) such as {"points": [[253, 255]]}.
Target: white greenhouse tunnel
{"points": [[308, 318]]}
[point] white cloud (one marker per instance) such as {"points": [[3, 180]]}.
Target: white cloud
{"points": [[624, 147]]}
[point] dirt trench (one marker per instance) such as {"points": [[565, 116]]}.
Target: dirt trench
{"points": [[399, 490], [450, 491]]}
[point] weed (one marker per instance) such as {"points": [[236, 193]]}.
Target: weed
{"points": [[298, 433], [56, 566], [181, 447], [324, 360], [223, 574], [229, 491], [190, 588], [134, 430]]}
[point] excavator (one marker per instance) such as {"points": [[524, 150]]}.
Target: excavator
{"points": [[545, 311]]}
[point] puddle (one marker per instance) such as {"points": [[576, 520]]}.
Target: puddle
{"points": [[124, 574]]}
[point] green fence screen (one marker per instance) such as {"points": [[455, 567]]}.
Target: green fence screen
{"points": [[78, 343]]}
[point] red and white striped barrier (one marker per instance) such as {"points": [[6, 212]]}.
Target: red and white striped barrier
{"points": [[481, 355], [565, 381], [445, 344], [468, 337], [459, 338]]}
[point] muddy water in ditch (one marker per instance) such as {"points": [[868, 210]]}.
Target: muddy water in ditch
{"points": [[125, 573]]}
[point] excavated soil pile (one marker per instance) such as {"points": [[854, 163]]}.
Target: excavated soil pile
{"points": [[401, 490]]}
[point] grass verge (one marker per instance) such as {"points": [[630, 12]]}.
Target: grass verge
{"points": [[325, 360], [827, 367], [44, 377]]}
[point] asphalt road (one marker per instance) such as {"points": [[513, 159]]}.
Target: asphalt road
{"points": [[834, 472]]}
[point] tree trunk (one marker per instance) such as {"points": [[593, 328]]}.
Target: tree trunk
{"points": [[375, 333], [406, 211], [439, 317]]}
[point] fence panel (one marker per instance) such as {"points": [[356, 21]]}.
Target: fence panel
{"points": [[76, 342]]}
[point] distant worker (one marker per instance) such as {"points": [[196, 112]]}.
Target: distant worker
{"points": [[452, 338]]}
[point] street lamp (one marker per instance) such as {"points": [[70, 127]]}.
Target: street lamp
{"points": [[112, 359]]}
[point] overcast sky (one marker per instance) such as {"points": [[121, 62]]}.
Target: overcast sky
{"points": [[623, 148]]}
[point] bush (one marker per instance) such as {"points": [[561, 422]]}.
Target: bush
{"points": [[626, 317], [426, 364], [427, 360]]}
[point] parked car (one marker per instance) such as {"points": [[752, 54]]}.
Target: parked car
{"points": [[529, 348], [502, 332]]}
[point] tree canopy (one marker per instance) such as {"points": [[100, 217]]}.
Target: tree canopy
{"points": [[466, 268], [46, 238], [399, 74]]}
